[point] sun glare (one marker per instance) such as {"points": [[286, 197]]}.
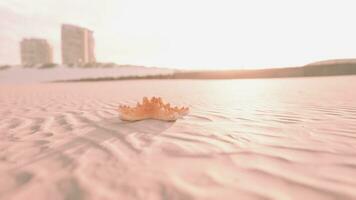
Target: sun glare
{"points": [[193, 34]]}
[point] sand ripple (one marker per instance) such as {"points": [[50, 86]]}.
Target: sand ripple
{"points": [[66, 141]]}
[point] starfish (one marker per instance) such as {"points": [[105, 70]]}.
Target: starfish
{"points": [[152, 109]]}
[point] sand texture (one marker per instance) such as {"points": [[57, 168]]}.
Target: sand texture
{"points": [[245, 139]]}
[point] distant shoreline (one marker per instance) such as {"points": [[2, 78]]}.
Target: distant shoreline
{"points": [[313, 70]]}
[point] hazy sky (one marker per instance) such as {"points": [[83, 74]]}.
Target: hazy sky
{"points": [[190, 33]]}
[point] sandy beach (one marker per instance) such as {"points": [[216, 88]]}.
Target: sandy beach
{"points": [[243, 139]]}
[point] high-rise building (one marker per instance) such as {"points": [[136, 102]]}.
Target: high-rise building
{"points": [[77, 45], [35, 51]]}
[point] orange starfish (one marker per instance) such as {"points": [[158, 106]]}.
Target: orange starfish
{"points": [[152, 109]]}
